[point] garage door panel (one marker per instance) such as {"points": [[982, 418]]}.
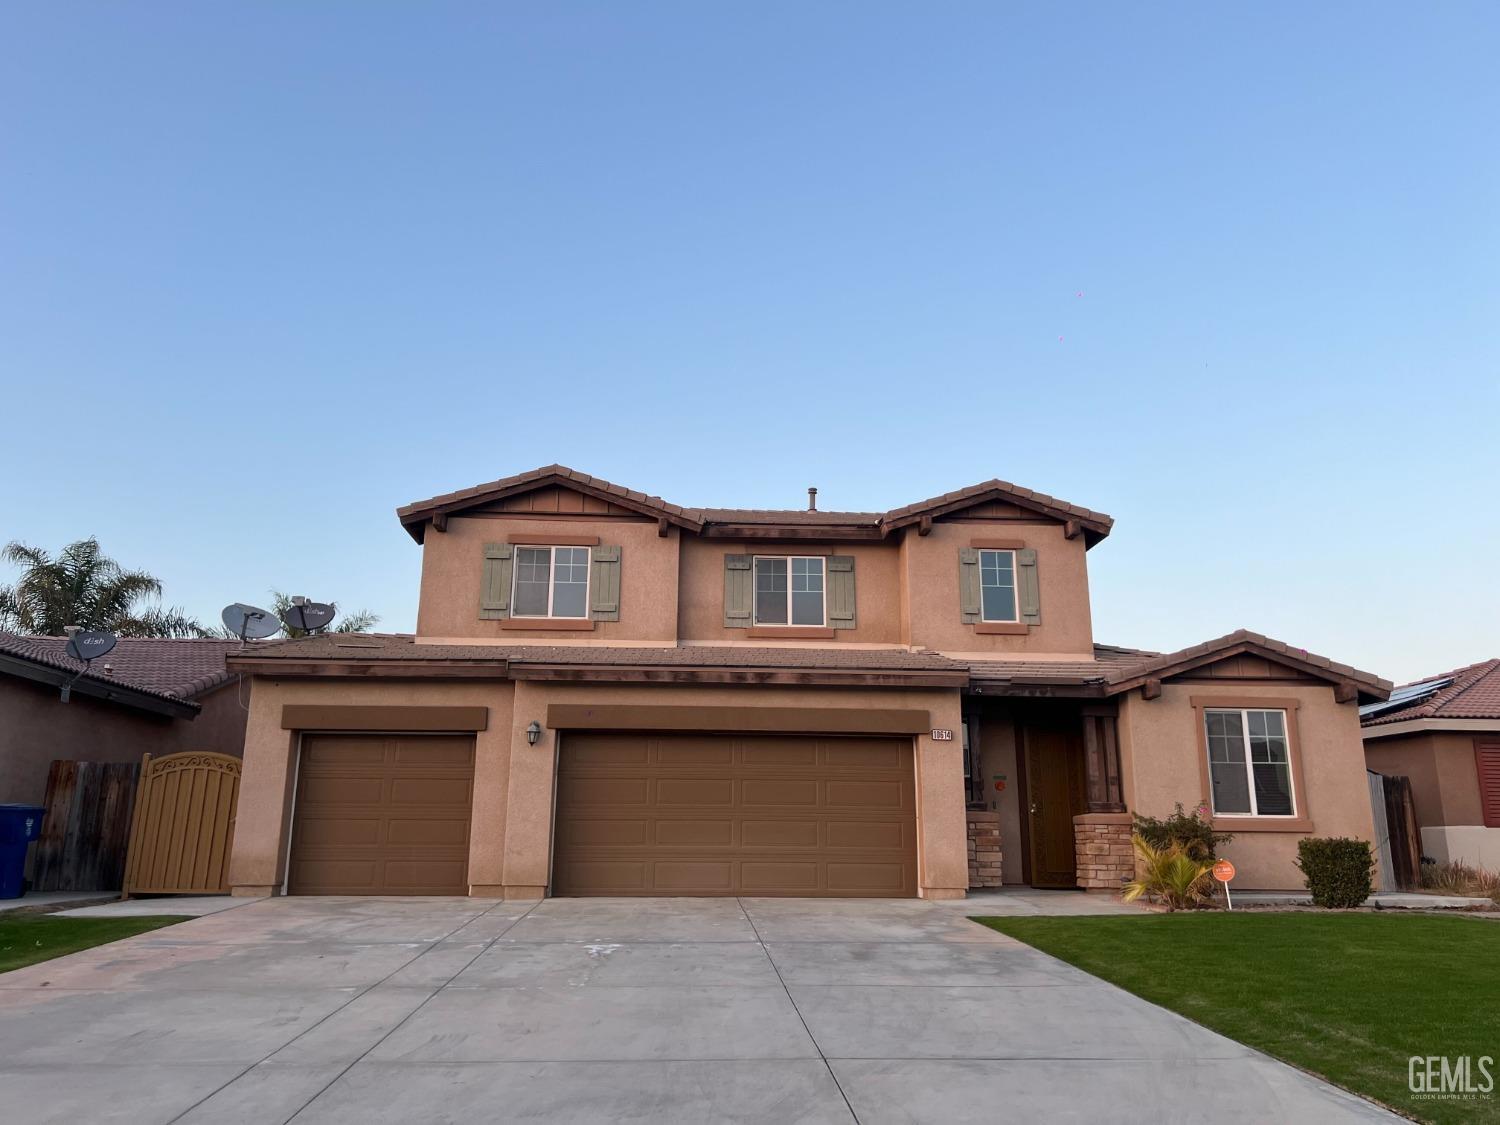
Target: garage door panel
{"points": [[452, 791], [779, 833], [613, 792], [695, 833], [382, 815], [842, 793], [695, 791], [795, 792], [766, 815]]}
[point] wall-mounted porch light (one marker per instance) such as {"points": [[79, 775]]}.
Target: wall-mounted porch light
{"points": [[533, 732]]}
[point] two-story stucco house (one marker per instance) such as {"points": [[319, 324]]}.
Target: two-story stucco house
{"points": [[609, 694]]}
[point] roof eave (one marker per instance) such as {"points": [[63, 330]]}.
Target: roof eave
{"points": [[96, 688]]}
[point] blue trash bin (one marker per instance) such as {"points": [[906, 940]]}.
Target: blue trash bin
{"points": [[19, 825]]}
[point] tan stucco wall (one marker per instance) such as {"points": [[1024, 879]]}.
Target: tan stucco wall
{"points": [[1160, 752], [930, 570], [37, 727], [1441, 767], [453, 567], [876, 588], [511, 836]]}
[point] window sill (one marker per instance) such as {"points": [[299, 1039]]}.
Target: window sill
{"points": [[549, 624], [1004, 628], [1262, 824], [792, 632]]}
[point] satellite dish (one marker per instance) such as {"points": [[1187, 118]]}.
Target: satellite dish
{"points": [[249, 623], [90, 644], [87, 645], [309, 616]]}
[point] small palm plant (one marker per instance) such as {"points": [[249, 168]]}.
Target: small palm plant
{"points": [[1168, 875]]}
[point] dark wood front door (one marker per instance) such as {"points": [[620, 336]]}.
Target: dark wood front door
{"points": [[1054, 795]]}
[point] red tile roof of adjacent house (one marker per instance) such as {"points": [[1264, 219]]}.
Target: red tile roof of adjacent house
{"points": [[170, 668], [415, 516], [1466, 693]]}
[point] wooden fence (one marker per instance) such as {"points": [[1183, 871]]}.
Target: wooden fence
{"points": [[1398, 842], [183, 825], [86, 828]]}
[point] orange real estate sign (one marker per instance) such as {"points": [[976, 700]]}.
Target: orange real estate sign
{"points": [[1223, 871]]}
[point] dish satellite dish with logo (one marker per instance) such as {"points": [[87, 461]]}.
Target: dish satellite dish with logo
{"points": [[249, 623], [86, 645], [308, 617]]}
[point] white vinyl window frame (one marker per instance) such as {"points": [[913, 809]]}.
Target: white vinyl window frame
{"points": [[1291, 774], [1015, 586], [551, 549], [755, 592]]}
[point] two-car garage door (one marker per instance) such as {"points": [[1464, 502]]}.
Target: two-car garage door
{"points": [[648, 814]]}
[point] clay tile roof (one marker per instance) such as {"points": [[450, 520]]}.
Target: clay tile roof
{"points": [[1107, 659], [1097, 523], [1472, 692], [402, 646], [167, 667], [1243, 640], [414, 516]]}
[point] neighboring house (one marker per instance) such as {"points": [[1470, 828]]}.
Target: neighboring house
{"points": [[611, 694], [150, 695], [1443, 734]]}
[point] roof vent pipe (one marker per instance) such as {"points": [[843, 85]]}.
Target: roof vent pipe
{"points": [[812, 499]]}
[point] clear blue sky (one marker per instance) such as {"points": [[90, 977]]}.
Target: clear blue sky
{"points": [[1229, 273]]}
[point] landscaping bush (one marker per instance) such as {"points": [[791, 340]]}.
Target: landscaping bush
{"points": [[1337, 870], [1168, 875], [1193, 833]]}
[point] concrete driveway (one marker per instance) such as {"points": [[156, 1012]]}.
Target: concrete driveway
{"points": [[695, 1010]]}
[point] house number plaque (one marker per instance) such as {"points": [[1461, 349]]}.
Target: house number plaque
{"points": [[941, 735]]}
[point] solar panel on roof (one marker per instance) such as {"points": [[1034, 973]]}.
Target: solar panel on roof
{"points": [[1408, 696]]}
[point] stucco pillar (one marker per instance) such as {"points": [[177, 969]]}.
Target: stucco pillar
{"points": [[256, 862], [528, 805], [942, 823]]}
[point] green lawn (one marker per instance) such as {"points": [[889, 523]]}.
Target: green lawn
{"points": [[1348, 996], [28, 938]]}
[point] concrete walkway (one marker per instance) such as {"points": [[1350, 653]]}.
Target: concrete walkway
{"points": [[693, 1010]]}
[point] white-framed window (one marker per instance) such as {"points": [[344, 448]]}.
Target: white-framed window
{"points": [[551, 582], [1249, 762], [997, 586], [789, 590]]}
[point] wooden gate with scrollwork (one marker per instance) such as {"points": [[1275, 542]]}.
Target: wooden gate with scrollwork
{"points": [[183, 824]]}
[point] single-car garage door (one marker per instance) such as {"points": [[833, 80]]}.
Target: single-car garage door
{"points": [[382, 815], [646, 814]]}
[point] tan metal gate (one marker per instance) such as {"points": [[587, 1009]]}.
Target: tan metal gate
{"points": [[183, 825]]}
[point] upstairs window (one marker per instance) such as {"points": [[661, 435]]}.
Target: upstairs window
{"points": [[997, 586], [551, 582], [1249, 763], [789, 591]]}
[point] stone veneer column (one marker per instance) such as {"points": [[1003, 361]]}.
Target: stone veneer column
{"points": [[1105, 856], [984, 848]]}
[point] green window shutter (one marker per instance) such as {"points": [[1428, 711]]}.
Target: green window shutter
{"points": [[494, 589], [841, 592], [739, 589], [604, 584], [1030, 591], [968, 584]]}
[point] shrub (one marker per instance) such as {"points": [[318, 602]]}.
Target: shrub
{"points": [[1457, 878], [1168, 875], [1337, 870], [1193, 832]]}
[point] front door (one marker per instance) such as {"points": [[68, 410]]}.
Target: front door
{"points": [[1054, 795]]}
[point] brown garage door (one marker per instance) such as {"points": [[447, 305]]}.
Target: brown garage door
{"points": [[642, 814], [382, 815]]}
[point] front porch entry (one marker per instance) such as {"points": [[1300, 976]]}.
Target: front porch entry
{"points": [[1043, 775]]}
